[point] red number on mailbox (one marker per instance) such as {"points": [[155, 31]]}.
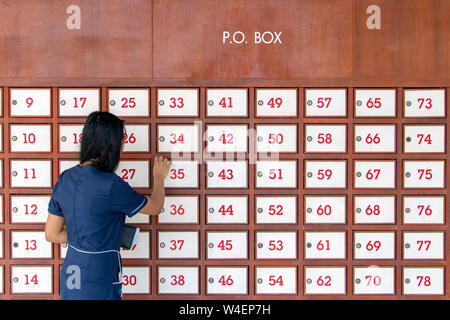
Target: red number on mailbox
{"points": [[427, 172], [422, 242], [321, 246], [376, 104], [370, 175], [324, 173], [275, 138], [177, 210], [34, 209], [33, 245], [376, 245], [324, 138], [273, 282], [126, 171], [83, 101], [130, 138], [180, 281], [321, 102], [225, 245], [376, 280], [272, 245], [226, 174], [228, 210], [223, 138], [34, 279], [177, 174], [375, 211], [128, 102], [428, 211], [275, 103], [174, 103], [427, 138], [31, 138], [273, 211], [321, 282], [227, 282], [324, 210], [129, 280], [174, 243], [428, 104], [223, 103], [29, 102], [26, 173]]}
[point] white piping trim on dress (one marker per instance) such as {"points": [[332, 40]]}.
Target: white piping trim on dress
{"points": [[100, 252], [139, 207]]}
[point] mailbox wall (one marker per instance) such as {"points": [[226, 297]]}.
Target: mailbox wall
{"points": [[340, 185]]}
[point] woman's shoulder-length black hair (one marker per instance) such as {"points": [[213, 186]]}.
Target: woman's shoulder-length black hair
{"points": [[101, 139]]}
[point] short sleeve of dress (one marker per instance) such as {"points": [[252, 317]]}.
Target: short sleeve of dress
{"points": [[125, 199], [53, 205]]}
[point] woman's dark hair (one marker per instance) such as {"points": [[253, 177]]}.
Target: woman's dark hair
{"points": [[101, 139]]}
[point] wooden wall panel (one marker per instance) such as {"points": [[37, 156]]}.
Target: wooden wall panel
{"points": [[188, 39]]}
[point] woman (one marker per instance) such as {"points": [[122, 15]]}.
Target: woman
{"points": [[88, 207]]}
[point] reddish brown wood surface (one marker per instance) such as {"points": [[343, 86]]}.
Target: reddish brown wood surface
{"points": [[165, 43]]}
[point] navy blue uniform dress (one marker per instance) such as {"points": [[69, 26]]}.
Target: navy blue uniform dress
{"points": [[94, 205]]}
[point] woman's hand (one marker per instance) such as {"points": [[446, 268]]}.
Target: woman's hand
{"points": [[161, 168]]}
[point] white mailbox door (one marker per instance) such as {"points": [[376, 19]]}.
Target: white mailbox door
{"points": [[424, 103], [129, 102], [31, 173], [180, 102], [325, 138], [276, 174], [424, 174], [424, 139], [374, 280], [325, 102], [423, 245], [227, 280], [1, 245], [31, 138], [423, 210], [375, 102], [1, 173], [374, 245], [141, 250], [138, 218], [63, 250], [29, 209], [423, 280], [178, 138], [325, 245], [374, 209], [179, 209], [30, 244], [325, 280], [374, 174], [227, 245], [226, 138], [276, 138], [136, 173], [66, 164], [226, 174], [326, 210], [226, 102], [182, 174], [276, 280], [137, 138], [276, 103], [226, 209], [70, 138], [276, 245], [136, 280], [78, 102], [178, 280], [379, 138], [31, 279], [178, 245], [325, 174], [30, 102], [276, 209]]}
